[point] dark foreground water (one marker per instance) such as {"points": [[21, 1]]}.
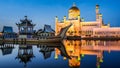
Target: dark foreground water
{"points": [[70, 54]]}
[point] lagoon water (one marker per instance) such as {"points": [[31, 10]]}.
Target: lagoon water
{"points": [[69, 54]]}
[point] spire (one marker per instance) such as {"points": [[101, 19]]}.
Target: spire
{"points": [[108, 24], [74, 4]]}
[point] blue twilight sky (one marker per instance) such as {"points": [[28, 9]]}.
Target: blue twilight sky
{"points": [[44, 11]]}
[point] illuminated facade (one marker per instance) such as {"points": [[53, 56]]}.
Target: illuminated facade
{"points": [[83, 28]]}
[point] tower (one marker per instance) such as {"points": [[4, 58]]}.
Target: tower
{"points": [[25, 28], [100, 19], [97, 12], [56, 25]]}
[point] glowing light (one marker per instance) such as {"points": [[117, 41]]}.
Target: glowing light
{"points": [[101, 60], [79, 59], [56, 57], [83, 55], [98, 66], [64, 58]]}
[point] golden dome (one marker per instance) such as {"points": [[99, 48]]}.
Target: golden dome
{"points": [[74, 7], [74, 12]]}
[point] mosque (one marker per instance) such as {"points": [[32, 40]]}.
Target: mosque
{"points": [[81, 28]]}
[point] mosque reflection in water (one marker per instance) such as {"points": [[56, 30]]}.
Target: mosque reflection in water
{"points": [[72, 51], [78, 49]]}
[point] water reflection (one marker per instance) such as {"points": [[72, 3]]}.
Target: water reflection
{"points": [[77, 49], [73, 51], [46, 49], [25, 54], [6, 49]]}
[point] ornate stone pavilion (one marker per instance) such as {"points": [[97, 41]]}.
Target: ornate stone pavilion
{"points": [[25, 28], [83, 28]]}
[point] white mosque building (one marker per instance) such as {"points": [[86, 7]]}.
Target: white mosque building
{"points": [[81, 28]]}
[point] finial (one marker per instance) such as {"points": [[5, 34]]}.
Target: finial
{"points": [[82, 19], [56, 17], [74, 4], [25, 17], [97, 6], [64, 16], [108, 24]]}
